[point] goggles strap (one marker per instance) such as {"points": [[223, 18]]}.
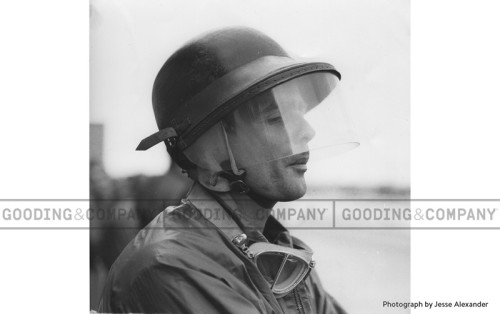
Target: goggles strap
{"points": [[232, 227]]}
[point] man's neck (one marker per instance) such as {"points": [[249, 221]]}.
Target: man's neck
{"points": [[252, 212]]}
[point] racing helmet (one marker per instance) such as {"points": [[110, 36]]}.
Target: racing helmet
{"points": [[234, 98]]}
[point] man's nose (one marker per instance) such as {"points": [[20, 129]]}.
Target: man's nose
{"points": [[305, 130]]}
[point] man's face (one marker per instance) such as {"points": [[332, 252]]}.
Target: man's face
{"points": [[270, 141]]}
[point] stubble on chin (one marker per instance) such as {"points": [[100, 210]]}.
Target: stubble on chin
{"points": [[275, 181], [289, 184]]}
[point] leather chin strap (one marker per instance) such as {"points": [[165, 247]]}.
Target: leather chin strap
{"points": [[234, 176], [236, 182]]}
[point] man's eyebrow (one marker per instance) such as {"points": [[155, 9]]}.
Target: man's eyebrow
{"points": [[268, 107]]}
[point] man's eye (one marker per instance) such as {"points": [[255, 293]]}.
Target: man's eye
{"points": [[272, 120]]}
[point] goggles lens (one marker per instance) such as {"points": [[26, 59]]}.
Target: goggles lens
{"points": [[283, 268], [293, 271], [269, 265]]}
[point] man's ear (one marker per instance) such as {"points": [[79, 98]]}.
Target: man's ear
{"points": [[210, 179]]}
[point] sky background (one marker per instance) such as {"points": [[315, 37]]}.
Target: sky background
{"points": [[368, 41]]}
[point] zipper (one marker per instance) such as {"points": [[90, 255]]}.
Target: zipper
{"points": [[298, 302], [241, 242]]}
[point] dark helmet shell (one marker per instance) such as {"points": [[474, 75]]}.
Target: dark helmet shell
{"points": [[202, 61]]}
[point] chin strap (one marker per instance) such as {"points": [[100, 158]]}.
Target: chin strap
{"points": [[236, 182], [232, 161], [235, 176]]}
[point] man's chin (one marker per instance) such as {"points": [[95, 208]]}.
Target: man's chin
{"points": [[286, 192], [294, 191]]}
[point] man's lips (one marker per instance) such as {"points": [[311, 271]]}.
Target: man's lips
{"points": [[299, 160]]}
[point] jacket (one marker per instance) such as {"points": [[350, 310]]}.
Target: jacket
{"points": [[182, 263]]}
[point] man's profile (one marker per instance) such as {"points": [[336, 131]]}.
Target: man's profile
{"points": [[230, 106]]}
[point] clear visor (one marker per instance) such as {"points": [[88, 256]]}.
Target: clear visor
{"points": [[279, 123]]}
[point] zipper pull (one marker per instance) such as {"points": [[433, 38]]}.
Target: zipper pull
{"points": [[241, 242]]}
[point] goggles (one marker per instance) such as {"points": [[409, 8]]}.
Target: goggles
{"points": [[282, 267]]}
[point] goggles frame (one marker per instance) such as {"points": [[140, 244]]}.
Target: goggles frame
{"points": [[256, 249]]}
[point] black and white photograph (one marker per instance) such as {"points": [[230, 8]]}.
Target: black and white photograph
{"points": [[229, 135], [231, 156]]}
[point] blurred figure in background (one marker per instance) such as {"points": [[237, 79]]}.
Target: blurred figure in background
{"points": [[121, 207], [109, 232], [153, 194]]}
